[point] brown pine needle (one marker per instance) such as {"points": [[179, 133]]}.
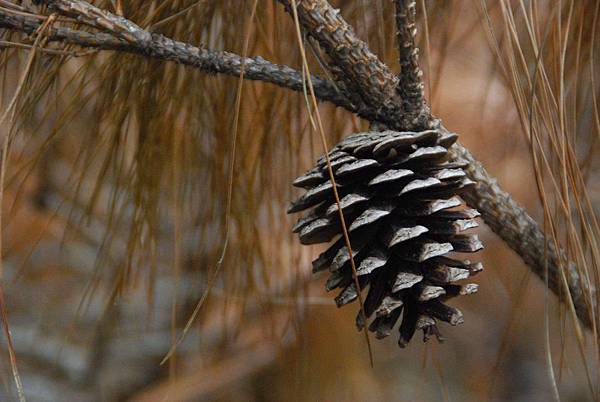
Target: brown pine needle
{"points": [[236, 118], [9, 113]]}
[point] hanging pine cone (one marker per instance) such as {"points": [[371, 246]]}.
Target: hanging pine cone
{"points": [[398, 194]]}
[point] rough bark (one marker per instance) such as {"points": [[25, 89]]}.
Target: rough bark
{"points": [[162, 48], [410, 79], [504, 216]]}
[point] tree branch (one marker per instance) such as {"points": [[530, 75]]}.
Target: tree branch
{"points": [[504, 216], [364, 73], [361, 69], [211, 61], [411, 82], [521, 232]]}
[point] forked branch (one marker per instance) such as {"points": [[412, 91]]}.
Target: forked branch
{"points": [[504, 216], [367, 88], [361, 69]]}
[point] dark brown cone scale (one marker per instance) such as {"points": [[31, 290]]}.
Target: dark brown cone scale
{"points": [[406, 225]]}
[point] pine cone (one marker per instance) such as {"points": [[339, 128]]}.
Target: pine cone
{"points": [[398, 194]]}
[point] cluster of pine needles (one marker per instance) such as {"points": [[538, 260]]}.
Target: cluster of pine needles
{"points": [[165, 169]]}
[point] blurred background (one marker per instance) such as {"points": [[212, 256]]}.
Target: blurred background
{"points": [[115, 211]]}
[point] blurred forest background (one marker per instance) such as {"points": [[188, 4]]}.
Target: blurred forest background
{"points": [[114, 213]]}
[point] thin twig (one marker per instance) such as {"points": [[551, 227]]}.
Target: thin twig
{"points": [[8, 44]]}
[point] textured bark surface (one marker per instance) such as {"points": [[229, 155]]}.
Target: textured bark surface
{"points": [[362, 70], [522, 233], [211, 61], [411, 83]]}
